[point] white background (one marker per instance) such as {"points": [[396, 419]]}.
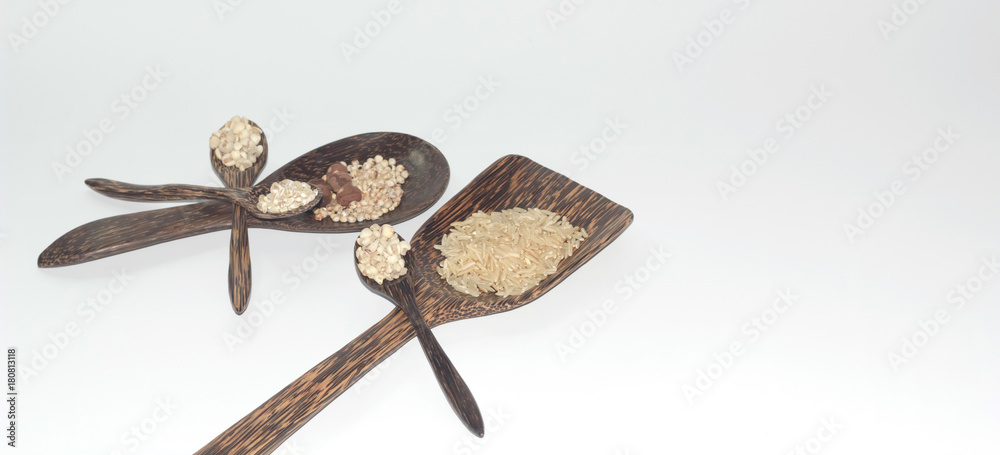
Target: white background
{"points": [[625, 387]]}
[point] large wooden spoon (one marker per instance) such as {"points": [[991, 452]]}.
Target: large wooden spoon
{"points": [[239, 240], [513, 181], [429, 175]]}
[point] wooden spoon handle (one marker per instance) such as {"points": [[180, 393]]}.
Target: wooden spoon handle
{"points": [[173, 192], [454, 387], [123, 233], [239, 261], [273, 422]]}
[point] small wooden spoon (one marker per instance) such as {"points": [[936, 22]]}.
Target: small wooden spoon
{"points": [[239, 241], [400, 293], [246, 198], [512, 181]]}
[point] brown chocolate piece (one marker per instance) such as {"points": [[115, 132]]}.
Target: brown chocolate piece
{"points": [[338, 181], [325, 190], [337, 168], [348, 194]]}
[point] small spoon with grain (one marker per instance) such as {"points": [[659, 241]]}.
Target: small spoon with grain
{"points": [[239, 241], [400, 293]]}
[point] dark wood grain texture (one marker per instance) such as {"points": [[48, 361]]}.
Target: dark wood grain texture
{"points": [[456, 391], [429, 176], [240, 270], [246, 198], [512, 181], [240, 278]]}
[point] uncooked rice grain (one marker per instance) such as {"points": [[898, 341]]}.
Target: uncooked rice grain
{"points": [[506, 252]]}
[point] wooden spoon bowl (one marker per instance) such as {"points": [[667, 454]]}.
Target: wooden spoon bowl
{"points": [[427, 167], [232, 176], [254, 194], [512, 181]]}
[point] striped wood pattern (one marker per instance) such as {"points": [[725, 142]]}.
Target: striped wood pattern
{"points": [[240, 278]]}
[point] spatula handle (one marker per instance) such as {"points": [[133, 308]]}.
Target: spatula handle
{"points": [[122, 233], [268, 426]]}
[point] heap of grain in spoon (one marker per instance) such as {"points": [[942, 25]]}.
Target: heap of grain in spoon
{"points": [[360, 191], [506, 252], [238, 144], [380, 256]]}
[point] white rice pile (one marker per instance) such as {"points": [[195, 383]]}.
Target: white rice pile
{"points": [[506, 252]]}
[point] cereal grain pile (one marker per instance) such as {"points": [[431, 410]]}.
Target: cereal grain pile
{"points": [[506, 252], [380, 253], [379, 181], [237, 143], [285, 195]]}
